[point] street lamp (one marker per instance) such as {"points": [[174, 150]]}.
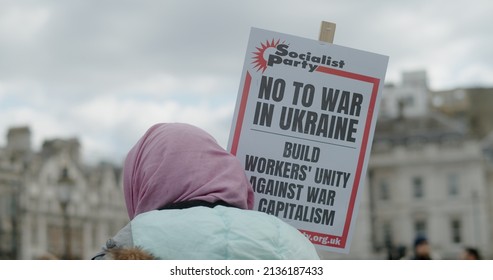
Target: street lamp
{"points": [[65, 187]]}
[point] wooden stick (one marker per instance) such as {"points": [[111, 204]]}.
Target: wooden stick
{"points": [[327, 32]]}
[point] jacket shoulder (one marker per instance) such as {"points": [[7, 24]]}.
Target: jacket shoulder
{"points": [[218, 233]]}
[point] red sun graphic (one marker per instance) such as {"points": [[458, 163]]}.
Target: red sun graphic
{"points": [[259, 59]]}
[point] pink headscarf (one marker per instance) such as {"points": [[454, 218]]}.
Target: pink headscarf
{"points": [[176, 162]]}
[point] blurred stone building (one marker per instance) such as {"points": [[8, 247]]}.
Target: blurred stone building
{"points": [[430, 171], [51, 204]]}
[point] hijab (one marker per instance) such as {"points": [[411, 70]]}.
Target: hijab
{"points": [[175, 162]]}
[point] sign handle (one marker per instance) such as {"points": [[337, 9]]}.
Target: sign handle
{"points": [[327, 32]]}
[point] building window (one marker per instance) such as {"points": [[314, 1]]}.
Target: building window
{"points": [[456, 231], [55, 239], [34, 231], [453, 184], [384, 190], [408, 100], [77, 242], [95, 241], [420, 228], [418, 188], [387, 234]]}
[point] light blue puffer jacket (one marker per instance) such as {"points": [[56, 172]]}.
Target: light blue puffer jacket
{"points": [[214, 233]]}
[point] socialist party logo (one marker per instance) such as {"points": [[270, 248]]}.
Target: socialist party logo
{"points": [[272, 53]]}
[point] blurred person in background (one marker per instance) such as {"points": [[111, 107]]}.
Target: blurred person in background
{"points": [[471, 253], [188, 198], [422, 250]]}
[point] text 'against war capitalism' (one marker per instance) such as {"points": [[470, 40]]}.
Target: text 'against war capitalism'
{"points": [[315, 189]]}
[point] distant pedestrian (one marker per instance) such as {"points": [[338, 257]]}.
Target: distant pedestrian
{"points": [[422, 250], [188, 198], [471, 253]]}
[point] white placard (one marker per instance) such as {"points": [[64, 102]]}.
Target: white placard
{"points": [[303, 127]]}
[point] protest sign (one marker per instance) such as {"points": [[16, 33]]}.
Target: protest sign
{"points": [[303, 127]]}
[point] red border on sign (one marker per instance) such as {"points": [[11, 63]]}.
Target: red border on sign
{"points": [[316, 237], [241, 113]]}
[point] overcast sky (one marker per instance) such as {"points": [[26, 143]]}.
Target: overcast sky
{"points": [[104, 71]]}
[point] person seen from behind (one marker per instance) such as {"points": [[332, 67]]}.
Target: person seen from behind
{"points": [[421, 250], [471, 253], [188, 198]]}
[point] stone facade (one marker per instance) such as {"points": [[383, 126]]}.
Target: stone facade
{"points": [[33, 223], [432, 182], [430, 171]]}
